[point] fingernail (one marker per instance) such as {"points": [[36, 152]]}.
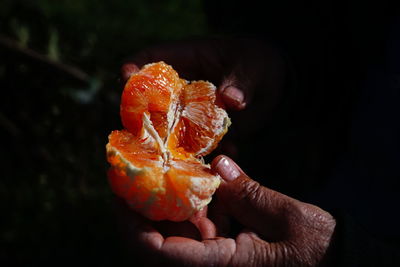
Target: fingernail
{"points": [[234, 93], [227, 169]]}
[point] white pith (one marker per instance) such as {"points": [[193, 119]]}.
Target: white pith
{"points": [[149, 128], [130, 170]]}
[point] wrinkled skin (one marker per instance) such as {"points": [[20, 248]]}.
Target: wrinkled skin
{"points": [[246, 224], [276, 230]]}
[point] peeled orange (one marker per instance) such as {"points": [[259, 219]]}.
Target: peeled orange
{"points": [[156, 161]]}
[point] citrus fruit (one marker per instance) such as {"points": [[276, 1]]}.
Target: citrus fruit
{"points": [[169, 125]]}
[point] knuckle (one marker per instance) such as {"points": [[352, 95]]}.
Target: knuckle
{"points": [[249, 190]]}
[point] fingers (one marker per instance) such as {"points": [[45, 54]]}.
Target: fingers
{"points": [[277, 218], [247, 249], [164, 243], [253, 205]]}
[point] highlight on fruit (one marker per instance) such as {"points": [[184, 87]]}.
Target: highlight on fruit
{"points": [[169, 125]]}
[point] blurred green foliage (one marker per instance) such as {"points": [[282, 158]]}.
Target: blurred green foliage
{"points": [[54, 196], [85, 32]]}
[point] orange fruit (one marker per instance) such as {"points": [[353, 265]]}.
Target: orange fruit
{"points": [[156, 161]]}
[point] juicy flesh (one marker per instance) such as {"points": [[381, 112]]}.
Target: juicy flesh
{"points": [[180, 119]]}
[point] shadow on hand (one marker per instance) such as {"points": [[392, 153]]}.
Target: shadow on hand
{"points": [[131, 225]]}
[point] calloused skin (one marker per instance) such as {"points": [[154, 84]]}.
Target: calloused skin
{"points": [[272, 229]]}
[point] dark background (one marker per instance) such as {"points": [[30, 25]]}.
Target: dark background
{"points": [[60, 90], [333, 141]]}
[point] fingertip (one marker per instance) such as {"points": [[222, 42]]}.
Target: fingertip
{"points": [[152, 239], [215, 161], [226, 168], [127, 70], [241, 106], [233, 97]]}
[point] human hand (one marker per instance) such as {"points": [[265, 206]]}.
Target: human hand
{"points": [[276, 230], [248, 73]]}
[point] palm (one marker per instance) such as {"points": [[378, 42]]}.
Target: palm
{"points": [[193, 243]]}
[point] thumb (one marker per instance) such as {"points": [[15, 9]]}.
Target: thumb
{"points": [[251, 204]]}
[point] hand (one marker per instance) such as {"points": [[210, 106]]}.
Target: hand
{"points": [[276, 230], [248, 73]]}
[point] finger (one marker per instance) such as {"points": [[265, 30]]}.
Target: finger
{"points": [[206, 228], [231, 91], [247, 249], [151, 239], [201, 213], [184, 229], [226, 168], [127, 70], [253, 205], [232, 97], [187, 252], [204, 225], [151, 247]]}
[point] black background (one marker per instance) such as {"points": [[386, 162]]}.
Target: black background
{"points": [[333, 141]]}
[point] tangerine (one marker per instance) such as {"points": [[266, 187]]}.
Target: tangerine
{"points": [[156, 161]]}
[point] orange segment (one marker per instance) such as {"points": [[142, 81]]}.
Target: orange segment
{"points": [[151, 90], [156, 163], [157, 191], [124, 145], [202, 123]]}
